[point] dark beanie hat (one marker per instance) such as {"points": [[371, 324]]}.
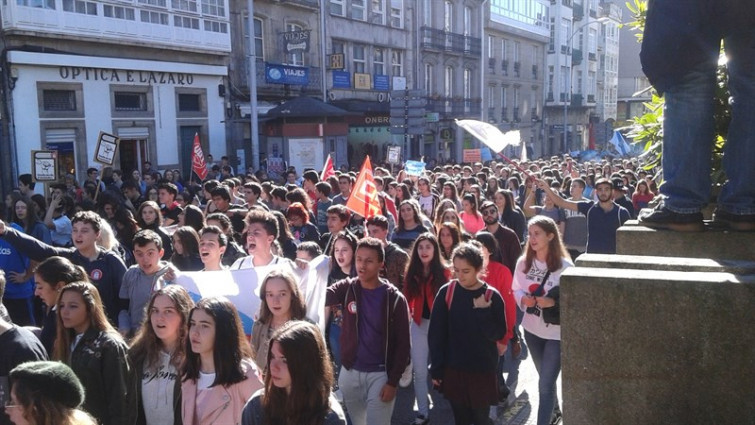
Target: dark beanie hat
{"points": [[52, 380]]}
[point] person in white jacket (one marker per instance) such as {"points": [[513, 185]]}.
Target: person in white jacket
{"points": [[536, 281]]}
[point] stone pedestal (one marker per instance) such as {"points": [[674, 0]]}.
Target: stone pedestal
{"points": [[661, 340]]}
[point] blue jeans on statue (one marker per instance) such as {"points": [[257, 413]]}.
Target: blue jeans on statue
{"points": [[687, 75], [546, 354]]}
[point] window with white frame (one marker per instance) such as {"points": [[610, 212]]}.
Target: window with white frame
{"points": [[504, 43], [467, 83], [397, 13], [119, 12], [215, 26], [80, 6], [491, 46], [427, 12], [213, 7], [591, 82], [397, 63], [185, 22], [259, 45], [467, 21], [378, 12], [579, 82], [184, 5], [378, 61], [158, 3], [592, 36], [358, 58], [491, 96], [357, 10], [565, 25], [449, 82], [517, 51], [429, 80], [41, 4], [337, 8], [295, 58], [153, 17], [448, 16], [338, 46]]}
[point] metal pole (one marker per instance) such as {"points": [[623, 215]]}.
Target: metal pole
{"points": [[252, 81], [323, 71]]}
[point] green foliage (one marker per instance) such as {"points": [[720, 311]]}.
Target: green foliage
{"points": [[639, 9]]}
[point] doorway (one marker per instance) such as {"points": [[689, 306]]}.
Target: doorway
{"points": [[133, 153]]}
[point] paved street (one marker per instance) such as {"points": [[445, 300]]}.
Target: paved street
{"points": [[523, 412]]}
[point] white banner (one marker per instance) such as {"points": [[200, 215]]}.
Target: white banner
{"points": [[242, 288]]}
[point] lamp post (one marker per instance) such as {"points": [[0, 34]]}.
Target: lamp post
{"points": [[567, 88]]}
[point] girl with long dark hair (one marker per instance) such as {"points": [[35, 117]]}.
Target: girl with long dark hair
{"points": [[50, 276], [425, 274], [186, 250], [298, 381], [148, 216], [409, 225], [219, 375]]}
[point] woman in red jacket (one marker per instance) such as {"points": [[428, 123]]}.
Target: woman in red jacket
{"points": [[425, 274]]}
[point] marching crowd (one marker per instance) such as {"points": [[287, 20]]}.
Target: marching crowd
{"points": [[452, 284]]}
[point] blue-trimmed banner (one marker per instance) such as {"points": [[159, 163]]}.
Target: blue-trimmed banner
{"points": [[286, 74]]}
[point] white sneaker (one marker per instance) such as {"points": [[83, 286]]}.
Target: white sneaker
{"points": [[406, 377]]}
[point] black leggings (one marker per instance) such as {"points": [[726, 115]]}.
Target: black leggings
{"points": [[465, 415]]}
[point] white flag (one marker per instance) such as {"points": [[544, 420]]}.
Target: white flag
{"points": [[490, 135]]}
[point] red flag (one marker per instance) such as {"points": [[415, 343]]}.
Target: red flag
{"points": [[328, 169], [390, 206], [197, 159], [364, 197]]}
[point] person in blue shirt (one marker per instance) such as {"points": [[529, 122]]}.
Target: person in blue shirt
{"points": [[19, 291]]}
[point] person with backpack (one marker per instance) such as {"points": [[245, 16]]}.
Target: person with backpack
{"points": [[467, 319], [536, 289]]}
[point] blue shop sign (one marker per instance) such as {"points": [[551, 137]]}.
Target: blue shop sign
{"points": [[341, 80], [381, 82], [285, 74]]}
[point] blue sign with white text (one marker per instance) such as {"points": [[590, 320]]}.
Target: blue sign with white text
{"points": [[341, 80], [286, 74], [381, 82]]}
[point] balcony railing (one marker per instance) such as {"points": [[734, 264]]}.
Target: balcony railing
{"points": [[593, 13], [517, 69], [505, 67], [454, 107], [562, 97], [576, 100], [440, 40], [491, 113], [516, 116], [549, 98], [533, 114], [590, 98], [314, 4], [534, 72], [491, 65], [591, 56], [504, 114]]}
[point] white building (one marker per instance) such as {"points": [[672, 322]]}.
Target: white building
{"points": [[149, 71]]}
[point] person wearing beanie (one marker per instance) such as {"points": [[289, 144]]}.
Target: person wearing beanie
{"points": [[45, 392]]}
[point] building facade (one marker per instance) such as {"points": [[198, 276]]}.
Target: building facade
{"points": [[151, 72], [633, 85], [576, 68], [516, 37], [353, 61]]}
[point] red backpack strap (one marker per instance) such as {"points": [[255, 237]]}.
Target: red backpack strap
{"points": [[450, 293]]}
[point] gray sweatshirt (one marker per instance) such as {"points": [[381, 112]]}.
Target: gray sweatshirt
{"points": [[136, 289]]}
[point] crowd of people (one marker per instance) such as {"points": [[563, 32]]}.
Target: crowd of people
{"points": [[451, 286]]}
